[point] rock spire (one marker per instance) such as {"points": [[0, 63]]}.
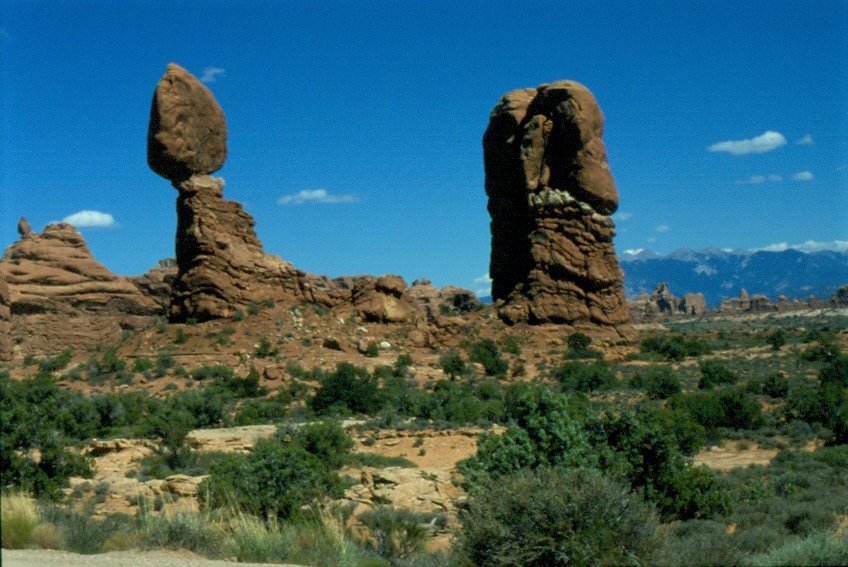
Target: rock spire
{"points": [[551, 195]]}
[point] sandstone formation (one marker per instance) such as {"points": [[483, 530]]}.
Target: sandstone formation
{"points": [[449, 300], [187, 134], [5, 326], [23, 227], [221, 266], [156, 283], [551, 195], [54, 272], [663, 304]]}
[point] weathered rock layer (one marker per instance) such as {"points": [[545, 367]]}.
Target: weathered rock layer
{"points": [[54, 272], [5, 326], [551, 195]]}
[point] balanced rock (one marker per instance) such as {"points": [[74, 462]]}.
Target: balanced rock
{"points": [[551, 195], [23, 227], [187, 134], [55, 272]]}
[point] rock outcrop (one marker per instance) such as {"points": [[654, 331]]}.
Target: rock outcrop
{"points": [[449, 300], [156, 283], [54, 272], [663, 304], [5, 325], [23, 227], [221, 266], [551, 195]]}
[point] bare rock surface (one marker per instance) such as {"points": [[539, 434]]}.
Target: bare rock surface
{"points": [[54, 272], [5, 325], [187, 134], [221, 264], [551, 195]]}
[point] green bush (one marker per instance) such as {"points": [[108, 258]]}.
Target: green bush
{"points": [[349, 388], [730, 407], [57, 362], [555, 517], [676, 347], [398, 533], [326, 440], [776, 339], [583, 377], [658, 382], [714, 374], [272, 481], [486, 353], [452, 364], [264, 349]]}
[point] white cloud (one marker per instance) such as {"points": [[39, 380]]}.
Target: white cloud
{"points": [[803, 176], [807, 140], [623, 216], [633, 251], [763, 143], [211, 74], [760, 179], [808, 246], [662, 228], [484, 283], [91, 219], [314, 196]]}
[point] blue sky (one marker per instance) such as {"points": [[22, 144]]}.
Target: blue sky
{"points": [[355, 126]]}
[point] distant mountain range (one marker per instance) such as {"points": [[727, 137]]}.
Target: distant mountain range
{"points": [[720, 274]]}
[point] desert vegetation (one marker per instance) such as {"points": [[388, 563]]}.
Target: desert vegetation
{"points": [[581, 461]]}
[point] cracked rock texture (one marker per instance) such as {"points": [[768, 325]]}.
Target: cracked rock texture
{"points": [[551, 195], [187, 134]]}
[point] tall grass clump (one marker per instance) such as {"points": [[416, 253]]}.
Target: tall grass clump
{"points": [[821, 548], [19, 517]]}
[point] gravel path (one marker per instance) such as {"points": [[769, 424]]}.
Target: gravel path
{"points": [[51, 558]]}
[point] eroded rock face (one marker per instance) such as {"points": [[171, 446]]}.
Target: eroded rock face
{"points": [[187, 134], [54, 272], [221, 266], [551, 195], [5, 326]]}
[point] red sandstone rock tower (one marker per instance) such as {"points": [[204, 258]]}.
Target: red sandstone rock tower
{"points": [[551, 195]]}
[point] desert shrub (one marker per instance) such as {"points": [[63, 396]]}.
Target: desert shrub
{"points": [[825, 349], [471, 402], [676, 347], [556, 517], [327, 440], [689, 435], [377, 461], [108, 366], [776, 339], [402, 362], [273, 481], [730, 407], [774, 385], [398, 533], [698, 543], [579, 346], [825, 405], [349, 388], [511, 345], [658, 382], [486, 353], [583, 377], [142, 364], [264, 349], [821, 548], [84, 532], [714, 374], [164, 362], [57, 362], [256, 411], [542, 432], [452, 364], [372, 350]]}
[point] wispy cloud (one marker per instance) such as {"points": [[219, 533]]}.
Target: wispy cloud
{"points": [[763, 143], [808, 246], [91, 219], [211, 74], [803, 176], [483, 285], [760, 179], [623, 216], [315, 196], [807, 140], [662, 228]]}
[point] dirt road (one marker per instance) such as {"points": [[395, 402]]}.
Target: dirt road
{"points": [[51, 558]]}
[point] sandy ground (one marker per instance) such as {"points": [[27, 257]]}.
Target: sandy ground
{"points": [[51, 558]]}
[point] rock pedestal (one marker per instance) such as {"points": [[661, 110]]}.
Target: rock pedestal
{"points": [[551, 195]]}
